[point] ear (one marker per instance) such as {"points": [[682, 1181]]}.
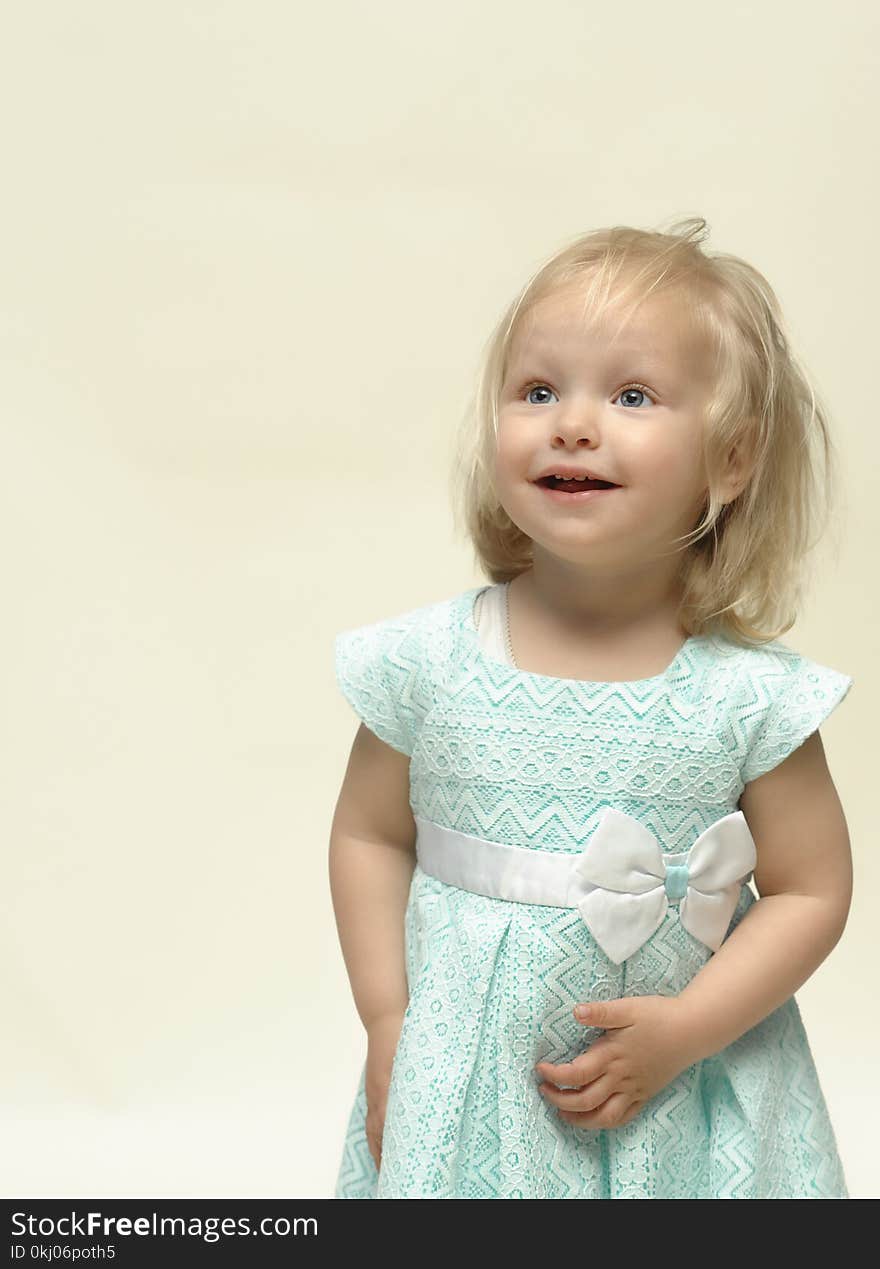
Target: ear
{"points": [[740, 465]]}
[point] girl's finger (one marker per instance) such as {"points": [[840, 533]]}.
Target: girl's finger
{"points": [[632, 1112], [587, 1066], [583, 1070], [617, 1106], [577, 1099]]}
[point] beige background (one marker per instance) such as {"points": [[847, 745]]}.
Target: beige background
{"points": [[250, 253]]}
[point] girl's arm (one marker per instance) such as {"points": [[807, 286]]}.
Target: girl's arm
{"points": [[804, 878], [372, 857]]}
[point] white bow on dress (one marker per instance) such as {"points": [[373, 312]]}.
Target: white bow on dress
{"points": [[621, 884]]}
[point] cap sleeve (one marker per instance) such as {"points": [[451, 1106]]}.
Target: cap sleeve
{"points": [[381, 670], [797, 695]]}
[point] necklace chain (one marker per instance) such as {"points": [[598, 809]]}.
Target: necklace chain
{"points": [[510, 646], [507, 625]]}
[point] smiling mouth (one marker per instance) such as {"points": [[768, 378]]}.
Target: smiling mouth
{"points": [[574, 486]]}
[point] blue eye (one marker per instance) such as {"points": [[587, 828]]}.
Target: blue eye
{"points": [[631, 388], [532, 388], [634, 387]]}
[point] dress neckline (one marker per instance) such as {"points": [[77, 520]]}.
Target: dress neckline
{"points": [[470, 626]]}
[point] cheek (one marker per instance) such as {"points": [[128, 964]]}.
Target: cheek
{"points": [[674, 471], [509, 454]]}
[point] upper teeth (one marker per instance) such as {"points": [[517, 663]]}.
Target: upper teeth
{"points": [[558, 477]]}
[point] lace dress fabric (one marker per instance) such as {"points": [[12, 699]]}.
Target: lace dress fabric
{"points": [[532, 761]]}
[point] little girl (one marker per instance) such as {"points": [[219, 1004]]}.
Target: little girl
{"points": [[566, 779]]}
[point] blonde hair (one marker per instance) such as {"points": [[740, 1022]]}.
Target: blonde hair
{"points": [[742, 574]]}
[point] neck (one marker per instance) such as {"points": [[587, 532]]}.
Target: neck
{"points": [[597, 605]]}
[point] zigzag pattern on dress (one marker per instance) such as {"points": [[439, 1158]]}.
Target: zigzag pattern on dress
{"points": [[532, 761]]}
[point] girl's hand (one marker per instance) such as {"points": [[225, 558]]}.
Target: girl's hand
{"points": [[382, 1039], [643, 1049]]}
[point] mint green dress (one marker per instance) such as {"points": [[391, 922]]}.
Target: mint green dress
{"points": [[532, 761]]}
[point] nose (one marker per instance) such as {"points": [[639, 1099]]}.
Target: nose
{"points": [[577, 425]]}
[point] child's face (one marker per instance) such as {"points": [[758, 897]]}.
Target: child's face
{"points": [[570, 397]]}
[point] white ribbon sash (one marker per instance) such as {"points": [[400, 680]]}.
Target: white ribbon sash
{"points": [[621, 884]]}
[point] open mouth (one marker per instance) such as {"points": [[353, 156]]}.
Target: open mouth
{"points": [[573, 486]]}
